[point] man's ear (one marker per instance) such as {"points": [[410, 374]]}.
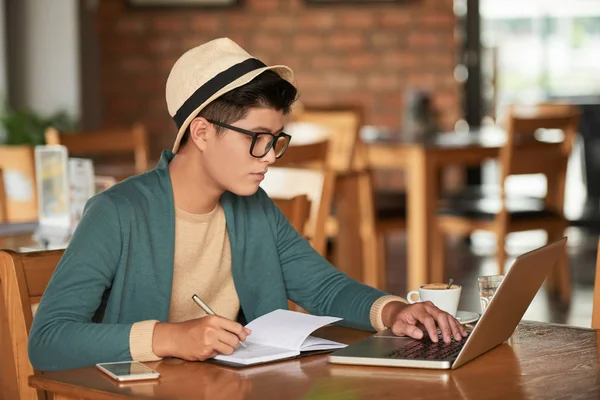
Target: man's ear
{"points": [[199, 128]]}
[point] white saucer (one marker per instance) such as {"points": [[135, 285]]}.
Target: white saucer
{"points": [[466, 317]]}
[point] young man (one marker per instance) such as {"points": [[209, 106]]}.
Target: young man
{"points": [[199, 224]]}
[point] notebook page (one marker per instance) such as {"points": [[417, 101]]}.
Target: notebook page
{"points": [[285, 329], [256, 353], [315, 343]]}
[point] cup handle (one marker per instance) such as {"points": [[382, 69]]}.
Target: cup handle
{"points": [[411, 301]]}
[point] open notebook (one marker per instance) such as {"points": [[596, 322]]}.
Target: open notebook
{"points": [[281, 334]]}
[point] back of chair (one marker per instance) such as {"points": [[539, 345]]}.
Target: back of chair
{"points": [[343, 125], [3, 200], [596, 305], [23, 279], [108, 142], [317, 185], [524, 153], [296, 209]]}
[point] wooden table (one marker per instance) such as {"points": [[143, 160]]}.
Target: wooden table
{"points": [[539, 361], [422, 159], [15, 236]]}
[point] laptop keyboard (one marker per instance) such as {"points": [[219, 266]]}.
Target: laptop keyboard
{"points": [[425, 349]]}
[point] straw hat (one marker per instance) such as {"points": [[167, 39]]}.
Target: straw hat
{"points": [[205, 73]]}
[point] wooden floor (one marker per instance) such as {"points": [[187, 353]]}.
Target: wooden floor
{"points": [[468, 261]]}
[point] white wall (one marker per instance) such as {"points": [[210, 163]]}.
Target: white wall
{"points": [[46, 70]]}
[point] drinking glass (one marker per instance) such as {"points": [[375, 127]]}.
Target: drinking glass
{"points": [[487, 288]]}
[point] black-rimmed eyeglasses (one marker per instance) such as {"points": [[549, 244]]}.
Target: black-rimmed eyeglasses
{"points": [[262, 142]]}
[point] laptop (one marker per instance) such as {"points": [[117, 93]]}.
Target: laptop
{"points": [[496, 325]]}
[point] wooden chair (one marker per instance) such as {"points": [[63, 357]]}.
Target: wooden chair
{"points": [[355, 196], [503, 213], [3, 200], [23, 279], [107, 143], [297, 211], [317, 185], [596, 304]]}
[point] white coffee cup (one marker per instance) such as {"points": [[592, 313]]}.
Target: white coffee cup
{"points": [[443, 298]]}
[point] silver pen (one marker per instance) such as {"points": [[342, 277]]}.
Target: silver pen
{"points": [[208, 310]]}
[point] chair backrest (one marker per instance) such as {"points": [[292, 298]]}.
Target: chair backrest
{"points": [[317, 185], [107, 142], [343, 125], [596, 301], [20, 196], [526, 153], [296, 209], [3, 200], [23, 280]]}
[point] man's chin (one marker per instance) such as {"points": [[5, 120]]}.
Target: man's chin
{"points": [[245, 191]]}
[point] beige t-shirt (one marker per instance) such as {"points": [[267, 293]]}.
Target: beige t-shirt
{"points": [[202, 266]]}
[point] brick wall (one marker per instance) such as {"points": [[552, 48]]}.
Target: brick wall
{"points": [[367, 54]]}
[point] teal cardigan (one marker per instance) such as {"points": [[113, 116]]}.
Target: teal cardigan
{"points": [[118, 269]]}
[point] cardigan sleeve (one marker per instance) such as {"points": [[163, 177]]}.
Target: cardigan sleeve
{"points": [[63, 335], [312, 282]]}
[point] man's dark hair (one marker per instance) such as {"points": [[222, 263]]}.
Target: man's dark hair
{"points": [[267, 90]]}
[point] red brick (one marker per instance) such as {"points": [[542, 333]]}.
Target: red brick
{"points": [[263, 5], [382, 81], [341, 55], [440, 60], [389, 118], [268, 42], [399, 60], [159, 45], [124, 46], [110, 9], [131, 26], [151, 84], [317, 98], [422, 80], [307, 42], [340, 80], [123, 106], [322, 20], [357, 20], [445, 100], [278, 23], [168, 25], [294, 4], [134, 65], [346, 41], [355, 98], [238, 22], [439, 20], [292, 61], [308, 82], [392, 101], [322, 61], [386, 39], [361, 61], [206, 23], [396, 20], [427, 40]]}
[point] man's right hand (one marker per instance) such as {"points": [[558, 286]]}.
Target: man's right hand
{"points": [[198, 339]]}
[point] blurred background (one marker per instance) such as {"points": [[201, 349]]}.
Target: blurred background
{"points": [[413, 73]]}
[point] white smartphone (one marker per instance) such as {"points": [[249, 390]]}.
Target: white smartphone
{"points": [[128, 371]]}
